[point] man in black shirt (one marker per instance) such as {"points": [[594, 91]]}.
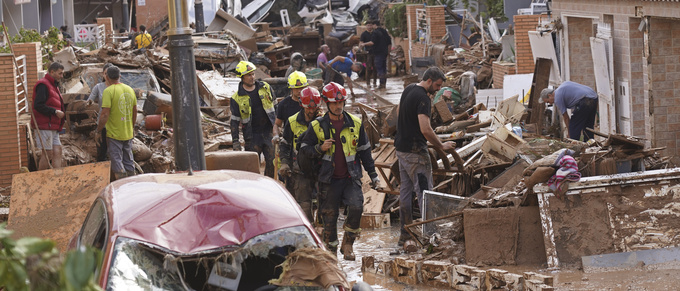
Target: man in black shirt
{"points": [[382, 42], [366, 42], [413, 133]]}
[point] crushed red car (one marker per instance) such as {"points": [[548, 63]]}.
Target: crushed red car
{"points": [[212, 230]]}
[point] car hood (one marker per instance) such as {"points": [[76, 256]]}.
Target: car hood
{"points": [[206, 210]]}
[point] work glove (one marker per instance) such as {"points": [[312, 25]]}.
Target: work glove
{"points": [[275, 139], [375, 182], [284, 171], [236, 146]]}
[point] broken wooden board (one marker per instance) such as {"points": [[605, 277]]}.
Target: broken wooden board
{"points": [[54, 203], [443, 111], [373, 201], [375, 220]]}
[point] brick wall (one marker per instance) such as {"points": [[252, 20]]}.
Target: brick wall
{"points": [[33, 63], [523, 55], [436, 18], [152, 13], [10, 160], [500, 69], [580, 55], [108, 27], [664, 40], [649, 83]]}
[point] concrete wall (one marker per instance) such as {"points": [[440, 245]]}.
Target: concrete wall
{"points": [[653, 87], [10, 158]]}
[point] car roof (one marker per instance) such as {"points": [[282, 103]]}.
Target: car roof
{"points": [[192, 213]]}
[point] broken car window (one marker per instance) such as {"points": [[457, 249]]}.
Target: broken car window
{"points": [[139, 266]]}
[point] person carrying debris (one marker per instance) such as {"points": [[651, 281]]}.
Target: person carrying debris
{"points": [[252, 111], [48, 112], [340, 141], [413, 133], [119, 114], [345, 65], [143, 39], [582, 99], [300, 184], [96, 96]]}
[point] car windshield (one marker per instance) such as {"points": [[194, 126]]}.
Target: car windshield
{"points": [[140, 266], [138, 80]]}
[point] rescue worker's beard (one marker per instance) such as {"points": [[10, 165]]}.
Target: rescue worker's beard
{"points": [[330, 111], [311, 115]]}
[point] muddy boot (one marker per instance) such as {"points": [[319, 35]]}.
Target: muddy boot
{"points": [[346, 248], [332, 247], [119, 175]]}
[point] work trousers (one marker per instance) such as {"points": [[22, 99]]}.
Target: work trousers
{"points": [[102, 151], [370, 68], [381, 68], [120, 153], [261, 143], [348, 192], [583, 117], [302, 188], [415, 172]]}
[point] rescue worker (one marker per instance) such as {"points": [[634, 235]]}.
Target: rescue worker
{"points": [[302, 185], [252, 112], [339, 139], [286, 108], [291, 104]]}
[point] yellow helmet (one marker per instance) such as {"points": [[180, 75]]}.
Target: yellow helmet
{"points": [[297, 79], [243, 68]]}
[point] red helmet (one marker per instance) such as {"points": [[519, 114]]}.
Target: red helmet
{"points": [[310, 97], [334, 92]]}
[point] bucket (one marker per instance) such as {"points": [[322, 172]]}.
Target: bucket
{"points": [[314, 73], [154, 122]]}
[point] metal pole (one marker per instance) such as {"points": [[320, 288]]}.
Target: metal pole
{"points": [[125, 15], [188, 134], [198, 14]]}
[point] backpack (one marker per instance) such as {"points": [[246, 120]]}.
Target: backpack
{"points": [[309, 166]]}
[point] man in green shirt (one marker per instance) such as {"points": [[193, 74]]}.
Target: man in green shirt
{"points": [[118, 115]]}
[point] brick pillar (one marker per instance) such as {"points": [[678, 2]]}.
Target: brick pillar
{"points": [[108, 27], [500, 69], [10, 158], [523, 55], [33, 64], [437, 22]]}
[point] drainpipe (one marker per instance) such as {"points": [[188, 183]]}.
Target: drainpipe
{"points": [[188, 134], [125, 15], [198, 9]]}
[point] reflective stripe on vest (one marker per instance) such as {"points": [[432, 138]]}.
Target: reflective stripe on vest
{"points": [[297, 130], [244, 108], [349, 136]]}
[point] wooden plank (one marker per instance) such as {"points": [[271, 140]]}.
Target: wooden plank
{"points": [[373, 201], [54, 203], [540, 82]]}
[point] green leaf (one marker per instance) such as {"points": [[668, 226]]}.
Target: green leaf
{"points": [[4, 232], [32, 245], [79, 267], [17, 274]]}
